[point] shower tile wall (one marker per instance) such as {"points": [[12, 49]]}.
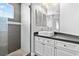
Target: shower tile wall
{"points": [[3, 36], [3, 43], [14, 30], [13, 37]]}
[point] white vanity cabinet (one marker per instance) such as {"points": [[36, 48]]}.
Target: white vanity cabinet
{"points": [[66, 48], [50, 47], [44, 46]]}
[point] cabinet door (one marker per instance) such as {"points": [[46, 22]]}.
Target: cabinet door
{"points": [[49, 47], [38, 46], [47, 50], [60, 51], [63, 53], [53, 51]]}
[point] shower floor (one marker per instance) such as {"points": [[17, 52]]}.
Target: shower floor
{"points": [[18, 52]]}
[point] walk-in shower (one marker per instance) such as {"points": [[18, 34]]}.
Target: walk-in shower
{"points": [[6, 11]]}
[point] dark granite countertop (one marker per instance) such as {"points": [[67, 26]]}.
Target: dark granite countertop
{"points": [[61, 37]]}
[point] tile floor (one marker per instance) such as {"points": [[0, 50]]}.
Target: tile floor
{"points": [[18, 52]]}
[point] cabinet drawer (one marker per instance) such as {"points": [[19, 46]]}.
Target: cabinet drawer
{"points": [[40, 39], [68, 45], [49, 42], [39, 48]]}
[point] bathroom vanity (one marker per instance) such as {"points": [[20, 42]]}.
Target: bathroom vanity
{"points": [[65, 22], [59, 45]]}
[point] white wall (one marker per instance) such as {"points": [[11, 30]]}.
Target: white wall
{"points": [[25, 28], [69, 18]]}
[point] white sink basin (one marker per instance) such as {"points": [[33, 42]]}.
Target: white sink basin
{"points": [[46, 33]]}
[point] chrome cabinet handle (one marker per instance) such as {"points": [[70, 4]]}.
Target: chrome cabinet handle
{"points": [[42, 43], [38, 39], [47, 41], [64, 45], [55, 47]]}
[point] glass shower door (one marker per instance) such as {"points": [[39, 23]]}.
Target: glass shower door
{"points": [[3, 36], [6, 11]]}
